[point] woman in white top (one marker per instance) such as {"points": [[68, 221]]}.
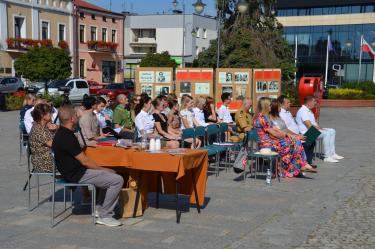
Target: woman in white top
{"points": [[199, 103], [187, 118], [144, 121]]}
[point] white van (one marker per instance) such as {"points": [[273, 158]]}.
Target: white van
{"points": [[79, 88]]}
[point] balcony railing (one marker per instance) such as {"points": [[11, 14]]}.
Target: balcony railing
{"points": [[102, 46], [25, 44]]}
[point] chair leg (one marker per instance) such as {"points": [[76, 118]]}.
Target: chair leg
{"points": [[53, 203], [64, 199], [93, 198], [37, 182], [29, 191]]}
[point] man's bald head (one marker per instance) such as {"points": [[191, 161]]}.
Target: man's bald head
{"points": [[247, 103], [66, 114]]}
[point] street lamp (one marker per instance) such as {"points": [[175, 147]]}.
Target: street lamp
{"points": [[242, 6], [199, 6]]}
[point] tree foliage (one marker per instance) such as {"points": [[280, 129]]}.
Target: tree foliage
{"points": [[158, 60], [43, 63], [250, 40]]}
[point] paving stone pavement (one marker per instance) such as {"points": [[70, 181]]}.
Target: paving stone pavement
{"points": [[334, 209]]}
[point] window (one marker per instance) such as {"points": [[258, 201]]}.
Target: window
{"points": [[198, 33], [70, 85], [114, 20], [82, 68], [62, 32], [204, 33], [104, 34], [109, 71], [81, 84], [104, 19], [203, 49], [93, 17], [81, 33], [93, 33], [81, 14], [113, 35], [19, 27], [45, 30]]}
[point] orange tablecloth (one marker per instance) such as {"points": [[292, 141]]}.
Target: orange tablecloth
{"points": [[168, 165]]}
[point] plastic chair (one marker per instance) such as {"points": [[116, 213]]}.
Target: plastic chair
{"points": [[213, 132], [187, 134], [252, 138], [232, 148], [24, 139], [200, 132], [65, 184]]}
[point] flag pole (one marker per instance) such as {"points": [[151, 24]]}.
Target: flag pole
{"points": [[295, 59], [360, 60], [326, 73]]}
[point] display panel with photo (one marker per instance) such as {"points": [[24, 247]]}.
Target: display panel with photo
{"points": [[261, 86], [163, 77], [202, 88], [146, 88], [162, 90], [227, 89], [185, 87], [241, 77], [146, 76], [225, 77], [241, 92], [273, 86]]}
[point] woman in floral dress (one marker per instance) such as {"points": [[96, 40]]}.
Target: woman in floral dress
{"points": [[290, 150]]}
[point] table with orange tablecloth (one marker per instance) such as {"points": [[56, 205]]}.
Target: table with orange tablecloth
{"points": [[185, 169]]}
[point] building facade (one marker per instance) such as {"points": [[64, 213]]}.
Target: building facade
{"points": [[159, 33], [99, 43], [24, 23], [307, 25]]}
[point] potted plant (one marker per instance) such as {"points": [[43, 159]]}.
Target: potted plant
{"points": [[63, 45]]}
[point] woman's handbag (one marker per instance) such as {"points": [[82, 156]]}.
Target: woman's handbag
{"points": [[240, 163]]}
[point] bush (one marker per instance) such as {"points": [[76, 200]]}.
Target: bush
{"points": [[346, 93], [14, 101], [367, 87], [56, 100]]}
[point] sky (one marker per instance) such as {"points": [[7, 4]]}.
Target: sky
{"points": [[153, 6]]}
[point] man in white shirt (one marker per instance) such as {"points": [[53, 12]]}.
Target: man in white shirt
{"points": [[223, 112], [305, 119], [292, 126]]}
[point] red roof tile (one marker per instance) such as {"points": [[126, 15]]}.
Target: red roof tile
{"points": [[87, 5]]}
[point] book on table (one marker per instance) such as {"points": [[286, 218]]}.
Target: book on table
{"points": [[312, 134]]}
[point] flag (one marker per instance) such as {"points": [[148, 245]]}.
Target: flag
{"points": [[330, 46], [367, 48]]}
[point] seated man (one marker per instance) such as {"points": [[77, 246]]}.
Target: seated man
{"points": [[293, 127], [305, 119], [122, 117], [76, 167], [243, 119], [223, 112]]}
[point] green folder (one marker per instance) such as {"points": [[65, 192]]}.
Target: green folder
{"points": [[312, 134]]}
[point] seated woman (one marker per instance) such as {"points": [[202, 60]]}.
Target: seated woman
{"points": [[144, 121], [161, 125], [199, 103], [209, 111], [28, 103], [293, 160], [41, 139], [188, 119], [174, 120]]}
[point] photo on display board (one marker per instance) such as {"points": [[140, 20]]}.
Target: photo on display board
{"points": [[202, 88], [227, 89], [225, 77], [146, 88], [146, 76], [163, 77], [185, 87], [161, 90], [273, 86], [261, 87], [241, 77], [241, 92]]}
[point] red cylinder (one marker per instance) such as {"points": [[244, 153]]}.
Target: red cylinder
{"points": [[311, 86]]}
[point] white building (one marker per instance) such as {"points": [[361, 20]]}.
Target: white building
{"points": [[158, 33]]}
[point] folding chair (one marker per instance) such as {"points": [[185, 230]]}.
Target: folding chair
{"points": [[65, 184], [187, 134], [231, 147], [24, 138], [213, 132]]}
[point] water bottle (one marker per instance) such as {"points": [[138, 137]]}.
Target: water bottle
{"points": [[268, 177], [152, 144], [157, 143], [144, 142]]}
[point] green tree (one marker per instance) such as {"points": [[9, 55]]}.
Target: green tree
{"points": [[250, 40], [158, 60], [43, 63]]}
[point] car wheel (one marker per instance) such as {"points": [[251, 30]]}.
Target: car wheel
{"points": [[85, 96]]}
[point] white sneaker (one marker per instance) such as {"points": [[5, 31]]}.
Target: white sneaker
{"points": [[330, 160], [110, 222], [337, 157]]}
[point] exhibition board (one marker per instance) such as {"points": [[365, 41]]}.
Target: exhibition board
{"points": [[194, 81], [154, 81], [266, 83]]}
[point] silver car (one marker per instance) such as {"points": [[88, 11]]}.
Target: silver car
{"points": [[11, 84]]}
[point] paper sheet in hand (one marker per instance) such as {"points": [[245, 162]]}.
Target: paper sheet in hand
{"points": [[312, 134]]}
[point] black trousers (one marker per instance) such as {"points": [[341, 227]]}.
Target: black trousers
{"points": [[309, 150]]}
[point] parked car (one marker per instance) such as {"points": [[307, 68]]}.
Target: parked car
{"points": [[11, 84], [129, 85], [95, 87], [112, 90], [35, 86], [79, 88]]}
